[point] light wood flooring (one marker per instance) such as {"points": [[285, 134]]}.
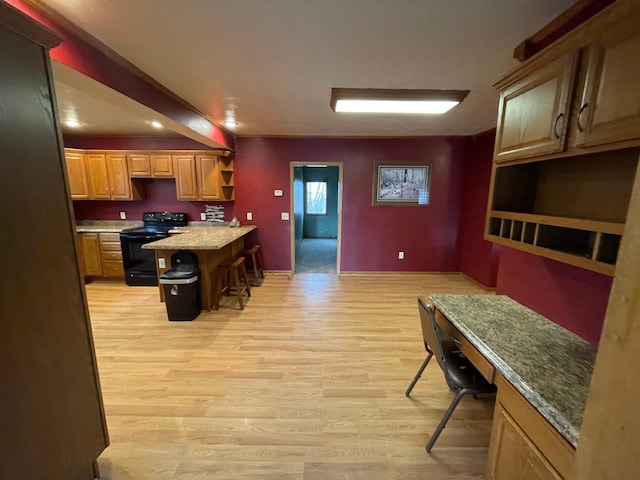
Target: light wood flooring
{"points": [[306, 383]]}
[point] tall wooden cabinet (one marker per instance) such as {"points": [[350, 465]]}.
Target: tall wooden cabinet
{"points": [[52, 416], [580, 205]]}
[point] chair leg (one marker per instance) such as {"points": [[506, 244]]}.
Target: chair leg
{"points": [[445, 419], [419, 374]]}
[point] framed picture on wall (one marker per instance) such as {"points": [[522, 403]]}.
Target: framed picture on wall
{"points": [[396, 184]]}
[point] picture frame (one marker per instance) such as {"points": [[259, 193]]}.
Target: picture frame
{"points": [[401, 184]]}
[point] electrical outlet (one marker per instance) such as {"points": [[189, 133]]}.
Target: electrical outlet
{"points": [[284, 215], [249, 216], [277, 193], [401, 255], [123, 216], [162, 263], [203, 216]]}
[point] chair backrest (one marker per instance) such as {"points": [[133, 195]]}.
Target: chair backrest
{"points": [[433, 335]]}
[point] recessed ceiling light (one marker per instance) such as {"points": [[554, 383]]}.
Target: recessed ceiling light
{"points": [[155, 124], [72, 123], [375, 100], [230, 123]]}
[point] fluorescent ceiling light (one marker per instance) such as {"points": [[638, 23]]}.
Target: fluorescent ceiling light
{"points": [[372, 100]]}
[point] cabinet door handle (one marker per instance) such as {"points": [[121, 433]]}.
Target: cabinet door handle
{"points": [[555, 125], [582, 110]]}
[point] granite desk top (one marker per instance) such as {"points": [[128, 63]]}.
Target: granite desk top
{"points": [[105, 226], [550, 366], [200, 238]]}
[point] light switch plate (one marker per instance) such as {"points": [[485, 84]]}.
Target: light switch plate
{"points": [[123, 216], [249, 216], [284, 215], [277, 193], [162, 263], [203, 216]]}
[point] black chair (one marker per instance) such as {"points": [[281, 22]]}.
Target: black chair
{"points": [[461, 376]]}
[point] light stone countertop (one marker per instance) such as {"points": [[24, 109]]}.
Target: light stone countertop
{"points": [[200, 238], [550, 366], [105, 226]]}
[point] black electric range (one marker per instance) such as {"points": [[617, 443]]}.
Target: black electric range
{"points": [[139, 264]]}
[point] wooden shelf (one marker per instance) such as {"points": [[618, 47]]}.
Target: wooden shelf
{"points": [[588, 244]]}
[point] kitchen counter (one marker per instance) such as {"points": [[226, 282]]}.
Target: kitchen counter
{"points": [[105, 226], [550, 366], [200, 238], [212, 245]]}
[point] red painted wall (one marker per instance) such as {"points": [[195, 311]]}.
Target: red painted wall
{"points": [[371, 235], [570, 296], [478, 258], [158, 195]]}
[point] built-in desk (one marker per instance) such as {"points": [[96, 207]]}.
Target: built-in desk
{"points": [[542, 372], [212, 245]]}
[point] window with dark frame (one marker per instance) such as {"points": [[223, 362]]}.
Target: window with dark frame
{"points": [[315, 198]]}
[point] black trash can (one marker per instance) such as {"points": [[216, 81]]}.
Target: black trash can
{"points": [[181, 287]]}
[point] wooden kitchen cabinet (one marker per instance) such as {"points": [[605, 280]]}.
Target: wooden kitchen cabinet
{"points": [[566, 196], [150, 165], [161, 165], [533, 112], [77, 175], [185, 171], [108, 177], [118, 177], [111, 255], [101, 254], [98, 176], [208, 177], [578, 95], [139, 165], [203, 177], [523, 444], [610, 103], [91, 258], [512, 455]]}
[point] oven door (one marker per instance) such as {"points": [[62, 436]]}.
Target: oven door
{"points": [[139, 264]]}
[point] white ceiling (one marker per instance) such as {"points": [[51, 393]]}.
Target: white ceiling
{"points": [[274, 62]]}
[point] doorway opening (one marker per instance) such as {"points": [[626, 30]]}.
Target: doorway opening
{"points": [[317, 210]]}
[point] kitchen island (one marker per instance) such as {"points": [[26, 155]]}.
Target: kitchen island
{"points": [[212, 245]]}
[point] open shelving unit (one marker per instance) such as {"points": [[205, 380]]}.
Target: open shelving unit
{"points": [[227, 187], [572, 210]]}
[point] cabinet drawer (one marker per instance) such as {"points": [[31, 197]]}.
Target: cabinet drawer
{"points": [[111, 255], [483, 365], [115, 247], [112, 269], [110, 237]]}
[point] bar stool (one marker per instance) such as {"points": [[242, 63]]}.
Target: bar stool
{"points": [[256, 262], [232, 279]]}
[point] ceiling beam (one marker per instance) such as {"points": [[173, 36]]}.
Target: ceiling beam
{"points": [[87, 55]]}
